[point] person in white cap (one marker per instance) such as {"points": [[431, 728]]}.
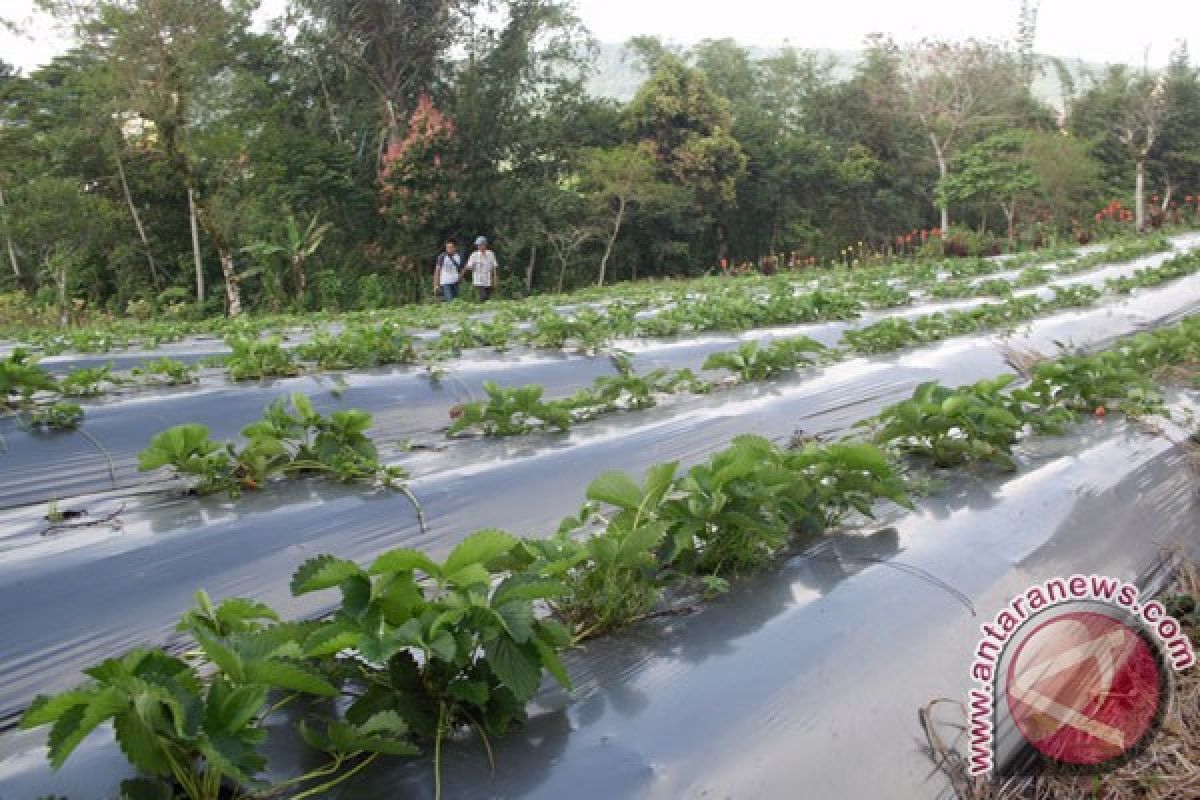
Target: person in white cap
{"points": [[483, 268]]}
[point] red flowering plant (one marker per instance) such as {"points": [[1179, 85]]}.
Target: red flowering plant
{"points": [[419, 171]]}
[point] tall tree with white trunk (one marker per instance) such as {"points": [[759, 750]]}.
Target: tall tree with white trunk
{"points": [[958, 91]]}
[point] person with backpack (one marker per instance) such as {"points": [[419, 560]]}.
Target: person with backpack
{"points": [[447, 273], [483, 268]]}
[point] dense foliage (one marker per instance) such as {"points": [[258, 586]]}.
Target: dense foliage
{"points": [[321, 161]]}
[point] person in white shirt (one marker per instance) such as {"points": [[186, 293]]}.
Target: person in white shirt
{"points": [[446, 272], [483, 268]]}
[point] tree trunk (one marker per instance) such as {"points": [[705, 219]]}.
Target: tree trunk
{"points": [[196, 250], [529, 269], [1010, 214], [224, 255], [232, 288], [12, 250], [299, 280], [64, 317], [612, 240], [562, 272], [1140, 196], [943, 171], [722, 243], [137, 218]]}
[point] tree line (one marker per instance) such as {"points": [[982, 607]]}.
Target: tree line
{"points": [[183, 157]]}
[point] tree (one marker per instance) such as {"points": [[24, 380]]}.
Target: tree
{"points": [[299, 243], [1066, 173], [690, 128], [1123, 115], [421, 174], [994, 170], [620, 177], [175, 64], [955, 91], [393, 47], [1176, 156], [65, 229], [1138, 128]]}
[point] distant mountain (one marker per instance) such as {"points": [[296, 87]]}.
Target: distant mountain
{"points": [[616, 78]]}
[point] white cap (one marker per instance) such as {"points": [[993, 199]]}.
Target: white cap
{"points": [[480, 240]]}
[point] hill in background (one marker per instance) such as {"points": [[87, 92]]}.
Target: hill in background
{"points": [[619, 79]]}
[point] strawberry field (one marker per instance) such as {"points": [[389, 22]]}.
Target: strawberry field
{"points": [[651, 537]]}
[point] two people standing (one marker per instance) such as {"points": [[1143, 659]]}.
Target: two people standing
{"points": [[450, 271]]}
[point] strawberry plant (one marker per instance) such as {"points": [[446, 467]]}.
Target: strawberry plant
{"points": [[510, 412], [845, 476], [612, 576], [884, 295], [1080, 384], [956, 426], [190, 451], [303, 442], [632, 391], [751, 362], [165, 372], [738, 510], [996, 287], [360, 347], [442, 646], [257, 359], [56, 417], [551, 330], [88, 381], [195, 729], [21, 378], [1078, 296], [1034, 276], [885, 336], [952, 290], [289, 443]]}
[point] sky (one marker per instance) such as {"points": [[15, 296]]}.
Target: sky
{"points": [[1094, 30]]}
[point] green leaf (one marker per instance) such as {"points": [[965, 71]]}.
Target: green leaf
{"points": [[517, 616], [331, 639], [640, 541], [229, 708], [288, 675], [478, 549], [75, 724], [303, 406], [46, 709], [553, 663], [527, 588], [659, 480], [323, 572], [515, 668], [616, 489], [141, 745], [404, 560], [222, 656], [861, 457]]}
